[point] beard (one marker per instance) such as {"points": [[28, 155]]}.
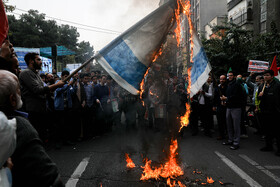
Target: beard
{"points": [[37, 66], [19, 101]]}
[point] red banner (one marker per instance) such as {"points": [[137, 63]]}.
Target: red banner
{"points": [[4, 26]]}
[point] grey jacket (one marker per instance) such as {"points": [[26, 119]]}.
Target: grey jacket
{"points": [[33, 91]]}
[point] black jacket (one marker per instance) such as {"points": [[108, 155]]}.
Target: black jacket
{"points": [[32, 166], [235, 95], [270, 101]]}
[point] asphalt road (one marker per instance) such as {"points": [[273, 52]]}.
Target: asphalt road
{"points": [[101, 161]]}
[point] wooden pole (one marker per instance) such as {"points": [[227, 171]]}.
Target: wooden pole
{"points": [[263, 87], [78, 69]]}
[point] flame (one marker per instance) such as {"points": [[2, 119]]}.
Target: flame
{"points": [[142, 89], [169, 170], [210, 180], [186, 6], [129, 162], [221, 183], [153, 94], [150, 173], [186, 10], [178, 28], [181, 184], [168, 182]]}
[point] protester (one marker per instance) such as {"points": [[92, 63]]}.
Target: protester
{"points": [[269, 97], [205, 96], [234, 102], [63, 108], [254, 87], [220, 106], [6, 54], [7, 147], [34, 93], [244, 118], [88, 110], [32, 166]]}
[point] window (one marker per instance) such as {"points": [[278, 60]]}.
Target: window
{"points": [[263, 16]]}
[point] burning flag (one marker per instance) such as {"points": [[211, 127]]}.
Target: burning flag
{"points": [[128, 57], [200, 68], [4, 27]]}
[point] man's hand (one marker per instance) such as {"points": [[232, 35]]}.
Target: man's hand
{"points": [[10, 163], [223, 98], [59, 84]]}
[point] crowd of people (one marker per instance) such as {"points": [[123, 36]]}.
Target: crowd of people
{"points": [[48, 110]]}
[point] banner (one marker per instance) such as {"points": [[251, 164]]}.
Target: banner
{"points": [[4, 26], [257, 66], [21, 52]]}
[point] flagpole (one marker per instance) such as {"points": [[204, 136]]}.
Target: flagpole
{"points": [[78, 69]]}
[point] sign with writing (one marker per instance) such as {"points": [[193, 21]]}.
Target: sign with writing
{"points": [[257, 66]]}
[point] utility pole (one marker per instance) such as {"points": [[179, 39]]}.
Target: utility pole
{"points": [[54, 56]]}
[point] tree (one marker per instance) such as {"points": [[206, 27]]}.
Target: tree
{"points": [[32, 30], [229, 49], [8, 8], [84, 52]]}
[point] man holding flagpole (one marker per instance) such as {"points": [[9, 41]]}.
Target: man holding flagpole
{"points": [[270, 109]]}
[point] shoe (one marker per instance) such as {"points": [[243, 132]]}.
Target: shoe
{"points": [[244, 136], [227, 143], [234, 147], [266, 149], [277, 153]]}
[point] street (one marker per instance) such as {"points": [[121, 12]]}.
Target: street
{"points": [[101, 161]]}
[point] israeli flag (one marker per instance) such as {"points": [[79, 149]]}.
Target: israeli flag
{"points": [[200, 68], [128, 57]]}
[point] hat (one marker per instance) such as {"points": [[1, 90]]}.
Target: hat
{"points": [[7, 138]]}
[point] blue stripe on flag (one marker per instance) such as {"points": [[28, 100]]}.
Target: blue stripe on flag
{"points": [[199, 65], [124, 62]]}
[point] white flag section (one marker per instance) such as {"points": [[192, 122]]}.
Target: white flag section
{"points": [[200, 68], [128, 57]]}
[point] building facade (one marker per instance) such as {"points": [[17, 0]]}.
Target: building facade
{"points": [[203, 11], [255, 15]]}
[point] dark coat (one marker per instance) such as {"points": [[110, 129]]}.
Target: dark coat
{"points": [[32, 166], [235, 95], [270, 101]]}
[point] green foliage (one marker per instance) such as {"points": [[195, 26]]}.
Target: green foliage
{"points": [[8, 8], [32, 30], [229, 49], [237, 46], [85, 52]]}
